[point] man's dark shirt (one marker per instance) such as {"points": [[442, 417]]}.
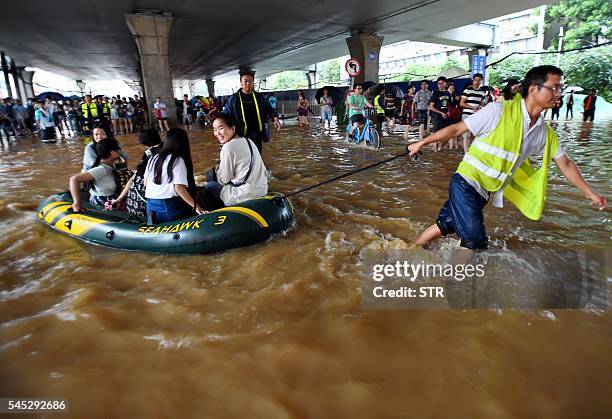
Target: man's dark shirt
{"points": [[440, 100]]}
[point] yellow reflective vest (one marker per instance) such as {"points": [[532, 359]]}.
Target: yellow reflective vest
{"points": [[90, 110], [490, 160], [378, 106]]}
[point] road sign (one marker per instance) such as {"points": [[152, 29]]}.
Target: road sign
{"points": [[478, 65], [353, 67]]}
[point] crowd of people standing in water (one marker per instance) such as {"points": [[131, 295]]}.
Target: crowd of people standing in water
{"points": [[499, 134]]}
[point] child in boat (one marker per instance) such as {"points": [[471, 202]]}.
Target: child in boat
{"points": [[101, 176], [169, 183]]}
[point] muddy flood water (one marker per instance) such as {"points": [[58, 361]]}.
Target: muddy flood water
{"points": [[278, 330]]}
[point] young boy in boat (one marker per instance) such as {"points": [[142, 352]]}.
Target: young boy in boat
{"points": [[101, 175], [497, 166]]}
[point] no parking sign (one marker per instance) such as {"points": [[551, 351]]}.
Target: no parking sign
{"points": [[353, 67]]}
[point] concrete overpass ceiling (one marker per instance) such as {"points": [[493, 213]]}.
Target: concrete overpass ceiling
{"points": [[89, 39]]}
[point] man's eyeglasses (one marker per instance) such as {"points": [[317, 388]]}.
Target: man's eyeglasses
{"points": [[556, 90]]}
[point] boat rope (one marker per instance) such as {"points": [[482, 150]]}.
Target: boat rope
{"points": [[352, 172]]}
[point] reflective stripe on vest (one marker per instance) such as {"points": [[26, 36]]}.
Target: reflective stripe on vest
{"points": [[496, 151], [484, 169], [256, 109]]}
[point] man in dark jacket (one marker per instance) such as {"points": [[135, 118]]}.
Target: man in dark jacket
{"points": [[251, 111]]}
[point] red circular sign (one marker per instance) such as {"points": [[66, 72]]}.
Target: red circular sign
{"points": [[353, 67]]}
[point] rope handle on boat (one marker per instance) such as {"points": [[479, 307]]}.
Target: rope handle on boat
{"points": [[352, 172]]}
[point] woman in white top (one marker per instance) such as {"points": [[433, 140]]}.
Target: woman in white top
{"points": [[169, 182], [241, 174]]}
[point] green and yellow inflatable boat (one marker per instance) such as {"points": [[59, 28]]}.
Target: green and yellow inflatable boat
{"points": [[244, 224]]}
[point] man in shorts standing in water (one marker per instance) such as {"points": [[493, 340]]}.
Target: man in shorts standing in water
{"points": [[497, 164]]}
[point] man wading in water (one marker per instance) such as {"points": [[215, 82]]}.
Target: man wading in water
{"points": [[251, 111], [497, 166]]}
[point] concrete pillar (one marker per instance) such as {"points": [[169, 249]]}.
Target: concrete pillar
{"points": [[22, 88], [210, 84], [151, 33], [27, 77], [18, 94], [5, 70], [365, 47]]}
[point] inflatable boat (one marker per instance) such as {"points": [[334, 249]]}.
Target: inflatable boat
{"points": [[244, 224]]}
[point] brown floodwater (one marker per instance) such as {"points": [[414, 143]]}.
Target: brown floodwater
{"points": [[277, 330]]}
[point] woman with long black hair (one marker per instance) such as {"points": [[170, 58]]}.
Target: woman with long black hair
{"points": [[169, 183], [134, 191]]}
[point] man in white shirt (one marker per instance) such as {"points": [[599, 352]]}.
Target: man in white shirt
{"points": [[463, 211], [472, 100]]}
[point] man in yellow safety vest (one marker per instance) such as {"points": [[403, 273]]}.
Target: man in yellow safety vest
{"points": [[497, 164], [91, 115]]}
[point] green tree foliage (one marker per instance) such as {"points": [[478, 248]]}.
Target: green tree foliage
{"points": [[590, 69], [288, 80], [330, 72], [419, 71], [451, 62], [430, 71], [514, 67], [586, 22]]}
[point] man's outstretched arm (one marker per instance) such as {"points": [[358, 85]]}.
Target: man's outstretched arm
{"points": [[572, 173], [442, 136]]}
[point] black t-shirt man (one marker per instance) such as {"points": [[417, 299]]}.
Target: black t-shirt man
{"points": [[440, 99]]}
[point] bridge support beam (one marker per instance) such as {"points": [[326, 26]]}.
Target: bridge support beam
{"points": [[210, 84], [21, 84], [18, 91], [27, 77], [151, 31], [5, 70], [365, 47]]}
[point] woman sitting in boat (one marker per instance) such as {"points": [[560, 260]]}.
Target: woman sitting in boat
{"points": [[241, 173], [169, 182], [134, 190], [103, 186], [90, 155]]}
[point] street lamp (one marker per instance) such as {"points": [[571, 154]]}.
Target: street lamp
{"points": [[81, 85]]}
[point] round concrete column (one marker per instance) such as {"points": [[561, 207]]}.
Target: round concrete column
{"points": [[365, 47], [210, 84], [27, 77], [151, 33]]}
